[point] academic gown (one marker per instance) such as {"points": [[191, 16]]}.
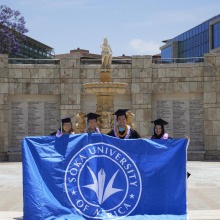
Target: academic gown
{"points": [[133, 134], [59, 133], [53, 133]]}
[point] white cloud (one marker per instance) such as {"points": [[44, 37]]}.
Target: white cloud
{"points": [[145, 47]]}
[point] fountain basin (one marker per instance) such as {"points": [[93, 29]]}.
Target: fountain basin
{"points": [[105, 88]]}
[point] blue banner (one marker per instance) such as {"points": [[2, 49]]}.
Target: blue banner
{"points": [[95, 176]]}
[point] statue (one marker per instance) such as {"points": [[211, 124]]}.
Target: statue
{"points": [[106, 54], [130, 118], [80, 126], [106, 120]]}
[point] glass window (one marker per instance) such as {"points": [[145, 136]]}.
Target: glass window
{"points": [[202, 50], [206, 47], [197, 29], [190, 43], [195, 42], [193, 31], [167, 52], [206, 25], [200, 28], [216, 35], [199, 40], [203, 26]]}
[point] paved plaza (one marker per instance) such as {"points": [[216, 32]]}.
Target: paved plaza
{"points": [[203, 190]]}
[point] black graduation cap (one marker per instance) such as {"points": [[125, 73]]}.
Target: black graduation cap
{"points": [[159, 121], [65, 120], [92, 116], [120, 112]]}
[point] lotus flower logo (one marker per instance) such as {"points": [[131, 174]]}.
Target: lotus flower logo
{"points": [[98, 185]]}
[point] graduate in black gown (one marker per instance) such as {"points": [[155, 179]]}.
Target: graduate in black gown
{"points": [[159, 132], [65, 127], [122, 130], [92, 123]]}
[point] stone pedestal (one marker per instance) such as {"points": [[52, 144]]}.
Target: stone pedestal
{"points": [[105, 75]]}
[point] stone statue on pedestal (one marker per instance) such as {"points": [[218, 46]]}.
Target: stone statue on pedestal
{"points": [[105, 90], [106, 54]]}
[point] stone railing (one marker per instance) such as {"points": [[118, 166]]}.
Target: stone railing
{"points": [[87, 61], [178, 60], [32, 61]]}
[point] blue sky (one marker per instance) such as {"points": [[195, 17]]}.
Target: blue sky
{"points": [[133, 27]]}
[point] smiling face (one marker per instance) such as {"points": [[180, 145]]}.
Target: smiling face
{"points": [[67, 127], [122, 121], [92, 124], [158, 130]]}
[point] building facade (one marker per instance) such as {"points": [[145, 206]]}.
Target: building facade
{"points": [[33, 49], [195, 42]]}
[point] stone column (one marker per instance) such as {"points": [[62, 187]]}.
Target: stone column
{"points": [[141, 93], [70, 87], [212, 106], [3, 106]]}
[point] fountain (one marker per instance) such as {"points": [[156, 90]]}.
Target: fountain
{"points": [[105, 91]]}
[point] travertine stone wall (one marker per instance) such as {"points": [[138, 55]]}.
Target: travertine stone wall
{"points": [[211, 98], [70, 87], [147, 84], [141, 87], [180, 82], [4, 88]]}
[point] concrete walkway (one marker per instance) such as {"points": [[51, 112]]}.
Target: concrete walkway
{"points": [[203, 191]]}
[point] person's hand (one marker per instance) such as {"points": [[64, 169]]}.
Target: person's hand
{"points": [[187, 137], [165, 136]]}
